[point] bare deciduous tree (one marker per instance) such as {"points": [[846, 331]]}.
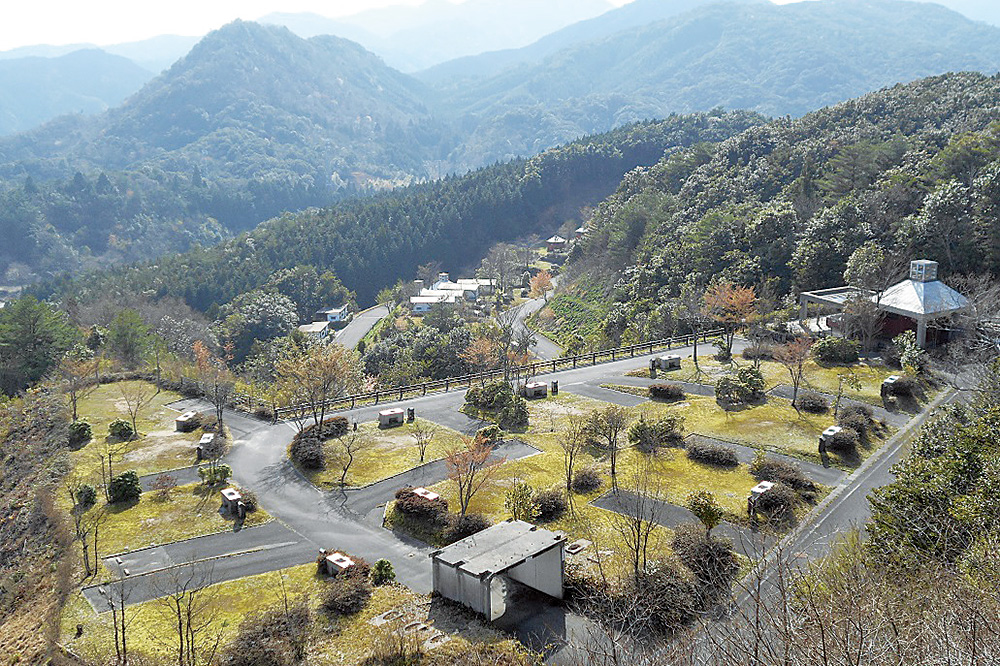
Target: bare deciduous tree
{"points": [[606, 425], [793, 355], [75, 373], [423, 433], [187, 596], [349, 446], [572, 443], [636, 523], [136, 396], [471, 468], [324, 372]]}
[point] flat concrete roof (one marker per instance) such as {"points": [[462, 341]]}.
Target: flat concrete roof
{"points": [[836, 296], [499, 548]]}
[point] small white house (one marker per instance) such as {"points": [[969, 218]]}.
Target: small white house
{"points": [[318, 330], [231, 499], [334, 315], [480, 570], [388, 418], [580, 232], [535, 390]]}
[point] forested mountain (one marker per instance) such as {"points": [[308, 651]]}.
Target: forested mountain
{"points": [[372, 242], [253, 122], [411, 38], [777, 60], [914, 169], [35, 89], [632, 15]]}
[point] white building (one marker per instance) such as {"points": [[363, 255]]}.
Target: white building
{"points": [[318, 330], [446, 292], [334, 315], [480, 570]]}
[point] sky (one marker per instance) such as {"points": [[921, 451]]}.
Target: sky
{"points": [[106, 22]]}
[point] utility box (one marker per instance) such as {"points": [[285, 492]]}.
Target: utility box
{"points": [[337, 563], [411, 415], [889, 385], [668, 362], [555, 387], [186, 422], [231, 499], [535, 390], [826, 436], [389, 418], [428, 495]]}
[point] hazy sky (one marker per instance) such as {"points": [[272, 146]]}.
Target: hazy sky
{"points": [[24, 22]]}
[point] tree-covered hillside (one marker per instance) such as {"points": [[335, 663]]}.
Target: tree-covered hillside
{"points": [[372, 242], [774, 59], [914, 168]]}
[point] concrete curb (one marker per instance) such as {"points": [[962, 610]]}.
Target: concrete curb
{"points": [[172, 543]]}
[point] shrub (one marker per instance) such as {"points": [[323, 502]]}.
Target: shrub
{"points": [[383, 573], [121, 430], [551, 505], [752, 380], [712, 454], [586, 480], [264, 413], [412, 505], [514, 415], [346, 595], [649, 436], [490, 435], [460, 527], [666, 392], [844, 442], [307, 452], [778, 503], [711, 559], [759, 352], [276, 637], [662, 600], [747, 385], [771, 469], [813, 402], [249, 500], [124, 488], [80, 433], [86, 495], [854, 422], [836, 350], [215, 474], [903, 387], [493, 396], [863, 412]]}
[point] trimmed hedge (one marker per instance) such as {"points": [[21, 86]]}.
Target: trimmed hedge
{"points": [[666, 392], [712, 454], [813, 402], [836, 350], [903, 387], [307, 445], [711, 559], [346, 595], [121, 430], [124, 488], [80, 432], [414, 506], [844, 442], [780, 471], [778, 502]]}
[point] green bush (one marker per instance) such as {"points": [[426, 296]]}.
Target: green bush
{"points": [[493, 396], [490, 435], [383, 573], [124, 488], [214, 475], [648, 436], [121, 430], [307, 452], [514, 415], [86, 495], [836, 350], [80, 432], [752, 380]]}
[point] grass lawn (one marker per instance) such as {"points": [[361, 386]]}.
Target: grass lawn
{"points": [[345, 640], [818, 377], [159, 447], [191, 510], [392, 451]]}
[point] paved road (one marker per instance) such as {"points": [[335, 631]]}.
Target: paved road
{"points": [[351, 335], [544, 348]]}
